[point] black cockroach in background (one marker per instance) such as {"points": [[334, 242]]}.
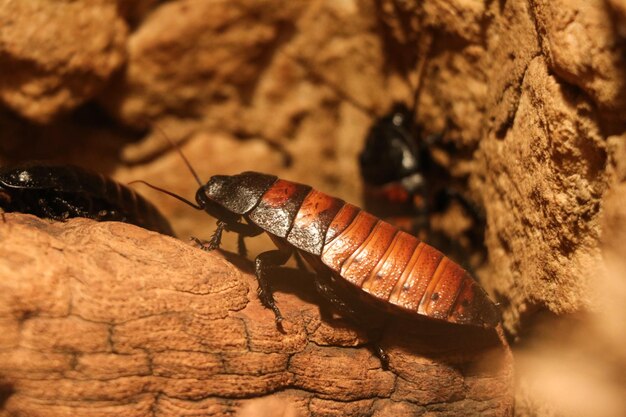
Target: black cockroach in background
{"points": [[399, 171], [61, 191]]}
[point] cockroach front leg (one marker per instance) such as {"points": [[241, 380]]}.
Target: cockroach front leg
{"points": [[214, 242], [243, 229], [324, 287], [49, 212], [448, 195]]}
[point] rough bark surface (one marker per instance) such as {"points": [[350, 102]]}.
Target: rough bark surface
{"points": [[109, 319]]}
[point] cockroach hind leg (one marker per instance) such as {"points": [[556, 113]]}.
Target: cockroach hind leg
{"points": [[268, 301], [323, 285], [450, 194], [324, 288]]}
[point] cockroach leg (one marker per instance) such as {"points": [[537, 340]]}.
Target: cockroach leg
{"points": [[382, 356], [324, 287], [214, 242], [264, 261], [75, 211], [50, 213], [299, 261], [244, 230], [241, 246], [201, 244], [448, 195]]}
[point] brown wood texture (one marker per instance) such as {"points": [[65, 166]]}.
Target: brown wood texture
{"points": [[109, 319]]}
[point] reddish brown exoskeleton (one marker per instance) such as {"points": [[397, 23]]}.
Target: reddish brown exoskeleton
{"points": [[340, 240], [346, 246]]}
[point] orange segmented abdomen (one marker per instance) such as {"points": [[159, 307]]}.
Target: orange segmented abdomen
{"points": [[384, 277], [368, 253], [338, 250], [342, 220], [358, 267], [413, 283], [396, 267]]}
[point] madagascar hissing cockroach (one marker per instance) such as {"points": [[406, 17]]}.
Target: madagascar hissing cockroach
{"points": [[61, 191], [345, 245]]}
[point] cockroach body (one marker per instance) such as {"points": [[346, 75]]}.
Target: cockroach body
{"points": [[343, 243], [60, 192]]}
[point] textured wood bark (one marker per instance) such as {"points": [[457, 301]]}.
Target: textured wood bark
{"points": [[110, 319]]}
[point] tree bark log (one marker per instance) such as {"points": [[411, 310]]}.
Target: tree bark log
{"points": [[100, 319]]}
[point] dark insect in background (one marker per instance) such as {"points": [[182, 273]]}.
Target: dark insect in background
{"points": [[60, 192], [401, 177]]}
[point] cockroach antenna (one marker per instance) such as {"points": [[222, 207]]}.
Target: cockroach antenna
{"points": [[193, 172], [176, 196], [182, 155], [426, 51]]}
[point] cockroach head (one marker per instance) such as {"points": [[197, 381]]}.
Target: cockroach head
{"points": [[207, 198], [391, 152], [399, 116]]}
